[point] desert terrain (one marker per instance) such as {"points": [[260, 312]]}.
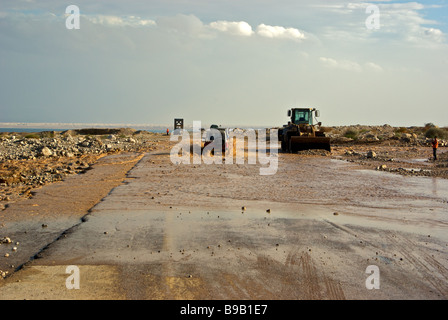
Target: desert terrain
{"points": [[139, 226]]}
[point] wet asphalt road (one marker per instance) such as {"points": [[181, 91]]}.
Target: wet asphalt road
{"points": [[172, 232]]}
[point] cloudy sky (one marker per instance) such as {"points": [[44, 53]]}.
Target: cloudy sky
{"points": [[230, 62]]}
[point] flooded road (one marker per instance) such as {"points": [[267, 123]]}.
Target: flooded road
{"points": [[225, 232]]}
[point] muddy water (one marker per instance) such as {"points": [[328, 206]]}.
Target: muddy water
{"points": [[413, 204], [175, 232]]}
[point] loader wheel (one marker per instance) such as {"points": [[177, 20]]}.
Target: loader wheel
{"points": [[292, 149], [284, 147]]}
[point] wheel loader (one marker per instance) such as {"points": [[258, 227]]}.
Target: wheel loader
{"points": [[301, 133]]}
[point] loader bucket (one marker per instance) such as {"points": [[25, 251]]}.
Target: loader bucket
{"points": [[299, 143]]}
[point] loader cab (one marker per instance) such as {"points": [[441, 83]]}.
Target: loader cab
{"points": [[302, 116]]}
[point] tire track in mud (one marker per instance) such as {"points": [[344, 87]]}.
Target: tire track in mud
{"points": [[310, 278], [266, 266], [313, 280], [431, 270], [334, 289]]}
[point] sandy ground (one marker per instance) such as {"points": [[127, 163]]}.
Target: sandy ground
{"points": [[140, 227]]}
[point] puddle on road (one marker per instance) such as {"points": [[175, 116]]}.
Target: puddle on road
{"points": [[414, 161], [150, 235], [426, 186], [432, 187]]}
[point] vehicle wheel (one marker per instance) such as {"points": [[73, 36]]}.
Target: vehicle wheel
{"points": [[284, 148], [292, 149]]}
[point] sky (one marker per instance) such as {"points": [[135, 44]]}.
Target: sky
{"points": [[227, 62]]}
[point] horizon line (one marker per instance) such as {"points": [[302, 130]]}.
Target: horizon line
{"points": [[83, 125]]}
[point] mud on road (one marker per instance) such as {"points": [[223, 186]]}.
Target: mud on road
{"points": [[310, 231]]}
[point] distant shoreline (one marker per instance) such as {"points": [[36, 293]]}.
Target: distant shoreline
{"points": [[40, 127], [68, 126], [36, 130]]}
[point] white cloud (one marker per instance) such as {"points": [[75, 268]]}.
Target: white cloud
{"points": [[407, 21], [341, 64], [350, 65], [110, 20], [434, 34], [373, 67], [404, 22], [240, 28], [279, 32], [188, 24]]}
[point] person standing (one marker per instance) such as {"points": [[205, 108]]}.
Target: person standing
{"points": [[167, 131], [435, 145]]}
